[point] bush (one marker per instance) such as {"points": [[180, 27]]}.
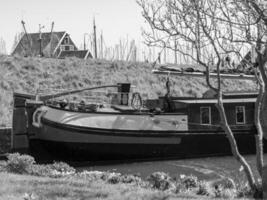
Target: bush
{"points": [[160, 181], [190, 181], [131, 179], [57, 169], [114, 178], [40, 170], [19, 164], [226, 183], [243, 190], [62, 167], [203, 188]]}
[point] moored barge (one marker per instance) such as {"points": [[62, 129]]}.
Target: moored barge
{"points": [[159, 129]]}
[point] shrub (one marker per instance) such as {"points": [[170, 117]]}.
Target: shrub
{"points": [[114, 178], [20, 164], [62, 167], [59, 169], [218, 191], [131, 179], [243, 190], [227, 194], [179, 186], [160, 181], [190, 181], [40, 170], [91, 175], [226, 183], [203, 188]]}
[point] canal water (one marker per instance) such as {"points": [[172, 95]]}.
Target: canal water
{"points": [[204, 168]]}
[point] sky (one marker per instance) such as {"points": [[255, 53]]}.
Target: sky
{"points": [[115, 18]]}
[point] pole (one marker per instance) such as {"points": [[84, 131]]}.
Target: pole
{"points": [[40, 40], [84, 42], [101, 44], [175, 49], [23, 24], [51, 39], [95, 42]]}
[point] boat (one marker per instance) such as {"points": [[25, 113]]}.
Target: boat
{"points": [[131, 128]]}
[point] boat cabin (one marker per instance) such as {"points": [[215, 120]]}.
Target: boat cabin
{"points": [[203, 114]]}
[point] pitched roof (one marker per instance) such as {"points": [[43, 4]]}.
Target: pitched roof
{"points": [[84, 54], [32, 44]]}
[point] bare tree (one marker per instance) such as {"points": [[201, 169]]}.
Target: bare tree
{"points": [[218, 32], [2, 47]]}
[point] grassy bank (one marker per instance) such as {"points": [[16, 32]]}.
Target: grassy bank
{"points": [[22, 178], [30, 75], [31, 187]]}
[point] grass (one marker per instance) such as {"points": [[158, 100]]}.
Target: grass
{"points": [[61, 181], [48, 75], [14, 186]]}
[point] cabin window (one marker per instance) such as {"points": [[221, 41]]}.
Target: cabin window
{"points": [[205, 115], [240, 114], [67, 48]]}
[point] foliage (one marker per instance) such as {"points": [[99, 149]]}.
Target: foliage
{"points": [[62, 168], [190, 181], [243, 190], [57, 169], [203, 188], [20, 164], [160, 181], [226, 183], [114, 178]]}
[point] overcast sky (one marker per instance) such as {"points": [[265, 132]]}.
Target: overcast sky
{"points": [[116, 18]]}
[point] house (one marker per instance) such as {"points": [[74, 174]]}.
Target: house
{"points": [[57, 44]]}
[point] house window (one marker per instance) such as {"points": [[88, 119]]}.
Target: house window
{"points": [[66, 40], [205, 115], [67, 48], [240, 114]]}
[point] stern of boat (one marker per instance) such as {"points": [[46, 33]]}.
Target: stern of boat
{"points": [[23, 129]]}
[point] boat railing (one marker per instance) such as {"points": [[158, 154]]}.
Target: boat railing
{"points": [[92, 100]]}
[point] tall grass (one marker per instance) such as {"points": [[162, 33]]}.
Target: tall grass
{"points": [[48, 75]]}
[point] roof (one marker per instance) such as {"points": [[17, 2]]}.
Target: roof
{"points": [[234, 93], [213, 101], [33, 44], [202, 74], [79, 54]]}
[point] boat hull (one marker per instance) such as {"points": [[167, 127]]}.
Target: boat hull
{"points": [[72, 143]]}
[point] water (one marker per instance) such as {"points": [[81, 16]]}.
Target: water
{"points": [[204, 168]]}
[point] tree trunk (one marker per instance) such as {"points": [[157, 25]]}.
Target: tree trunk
{"points": [[233, 144], [264, 182], [263, 114], [259, 136]]}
